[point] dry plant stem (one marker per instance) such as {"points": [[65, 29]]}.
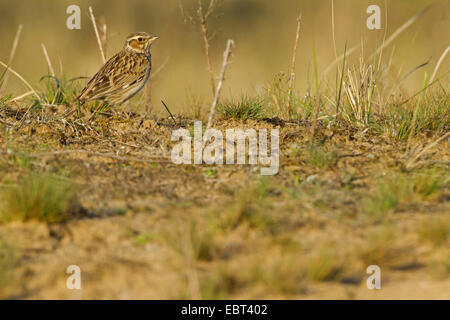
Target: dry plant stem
{"points": [[47, 58], [400, 82], [333, 29], [399, 30], [339, 59], [439, 64], [385, 34], [104, 39], [99, 41], [26, 94], [61, 71], [292, 71], [341, 82], [316, 115], [359, 88], [12, 54], [226, 58], [21, 78], [203, 19]]}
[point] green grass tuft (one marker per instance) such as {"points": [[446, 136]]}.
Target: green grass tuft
{"points": [[38, 196], [244, 109], [324, 265], [378, 248], [3, 98], [390, 191], [317, 155], [252, 208], [397, 188], [433, 115]]}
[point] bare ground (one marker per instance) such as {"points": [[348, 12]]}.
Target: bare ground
{"points": [[145, 228]]}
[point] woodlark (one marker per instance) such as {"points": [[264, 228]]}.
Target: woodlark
{"points": [[124, 74]]}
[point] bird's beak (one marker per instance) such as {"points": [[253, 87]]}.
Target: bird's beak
{"points": [[153, 39]]}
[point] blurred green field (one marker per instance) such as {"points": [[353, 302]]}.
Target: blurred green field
{"points": [[263, 30]]}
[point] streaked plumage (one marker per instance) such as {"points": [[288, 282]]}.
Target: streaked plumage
{"points": [[122, 76]]}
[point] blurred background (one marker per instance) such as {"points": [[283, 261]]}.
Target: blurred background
{"points": [[263, 30]]}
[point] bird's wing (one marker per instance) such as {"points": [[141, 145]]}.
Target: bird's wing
{"points": [[117, 74]]}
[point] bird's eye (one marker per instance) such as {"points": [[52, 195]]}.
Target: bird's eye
{"points": [[140, 39]]}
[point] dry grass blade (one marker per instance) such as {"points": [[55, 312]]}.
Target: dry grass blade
{"points": [[26, 94], [21, 78], [439, 63], [333, 29], [341, 82], [339, 59], [384, 36], [47, 58], [168, 110], [359, 87], [416, 68], [226, 58], [104, 39], [316, 116], [412, 161], [99, 41], [12, 54], [407, 75], [424, 89], [399, 31], [292, 71]]}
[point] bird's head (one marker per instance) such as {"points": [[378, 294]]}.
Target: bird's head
{"points": [[140, 42]]}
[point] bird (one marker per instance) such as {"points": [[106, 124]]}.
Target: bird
{"points": [[124, 74]]}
